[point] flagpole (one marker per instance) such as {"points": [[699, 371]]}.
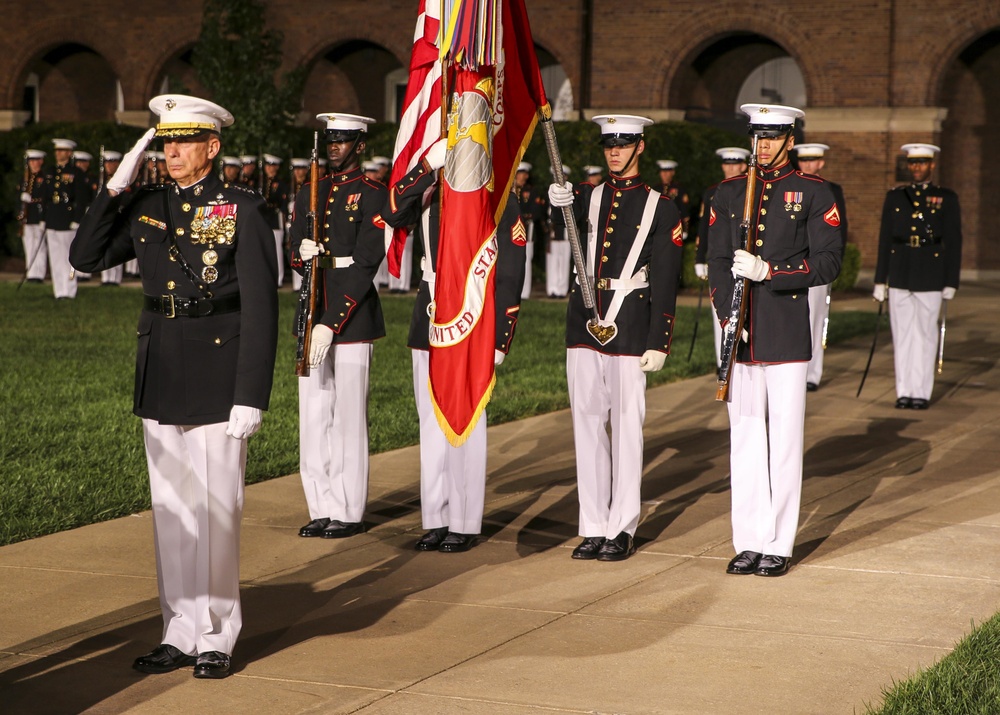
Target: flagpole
{"points": [[572, 233]]}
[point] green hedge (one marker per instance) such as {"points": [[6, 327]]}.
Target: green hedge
{"points": [[691, 145], [848, 268]]}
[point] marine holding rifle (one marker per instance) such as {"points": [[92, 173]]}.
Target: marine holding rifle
{"points": [[775, 244], [333, 396]]}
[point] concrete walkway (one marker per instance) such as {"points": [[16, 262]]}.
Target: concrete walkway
{"points": [[897, 555]]}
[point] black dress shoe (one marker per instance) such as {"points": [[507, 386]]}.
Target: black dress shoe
{"points": [[811, 387], [454, 543], [744, 563], [432, 539], [35, 280], [342, 529], [773, 565], [212, 664], [589, 547], [616, 549], [919, 403], [314, 528], [164, 658], [904, 403]]}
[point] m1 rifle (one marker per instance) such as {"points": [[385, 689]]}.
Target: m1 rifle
{"points": [[737, 312], [310, 271]]}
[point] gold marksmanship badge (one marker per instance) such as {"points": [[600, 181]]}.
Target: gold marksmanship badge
{"points": [[209, 274], [210, 257], [214, 224]]}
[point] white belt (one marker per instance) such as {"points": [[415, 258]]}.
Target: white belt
{"points": [[621, 283], [427, 274]]}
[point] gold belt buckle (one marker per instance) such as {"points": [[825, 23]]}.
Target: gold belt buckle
{"points": [[603, 284], [168, 300], [914, 241]]}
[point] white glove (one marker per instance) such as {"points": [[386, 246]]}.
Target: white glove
{"points": [[560, 196], [701, 270], [684, 235], [747, 265], [437, 154], [498, 356], [652, 361], [309, 249], [879, 292], [746, 336], [73, 226], [243, 421], [948, 293], [26, 197], [319, 346], [128, 169]]}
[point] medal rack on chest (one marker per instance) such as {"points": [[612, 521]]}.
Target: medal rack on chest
{"points": [[211, 226]]}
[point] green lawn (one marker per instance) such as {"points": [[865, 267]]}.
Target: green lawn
{"points": [[72, 452]]}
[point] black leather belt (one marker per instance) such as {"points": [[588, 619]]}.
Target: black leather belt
{"points": [[173, 306], [916, 241]]}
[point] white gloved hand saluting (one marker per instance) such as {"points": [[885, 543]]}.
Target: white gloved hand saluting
{"points": [[319, 346], [309, 249], [701, 270], [436, 155], [560, 196], [128, 169], [948, 293], [26, 197], [243, 421], [747, 265], [652, 361], [879, 292]]}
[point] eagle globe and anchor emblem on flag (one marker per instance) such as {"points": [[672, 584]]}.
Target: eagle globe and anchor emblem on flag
{"points": [[468, 169]]}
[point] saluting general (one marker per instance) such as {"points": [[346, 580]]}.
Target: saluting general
{"points": [[633, 253], [204, 363], [794, 242]]}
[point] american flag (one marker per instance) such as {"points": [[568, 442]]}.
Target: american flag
{"points": [[420, 123]]}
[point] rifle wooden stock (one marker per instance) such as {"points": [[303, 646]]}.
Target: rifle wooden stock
{"points": [[310, 274], [737, 312]]}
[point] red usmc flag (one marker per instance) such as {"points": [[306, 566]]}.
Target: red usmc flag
{"points": [[495, 92]]}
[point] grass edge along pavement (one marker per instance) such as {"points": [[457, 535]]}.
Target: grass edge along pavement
{"points": [[72, 451], [964, 682]]}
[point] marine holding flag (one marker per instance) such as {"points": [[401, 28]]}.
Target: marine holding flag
{"points": [[633, 252], [473, 248]]}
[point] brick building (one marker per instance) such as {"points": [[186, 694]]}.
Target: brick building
{"points": [[871, 74]]}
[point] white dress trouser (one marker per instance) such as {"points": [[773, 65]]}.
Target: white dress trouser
{"points": [[196, 483], [602, 389], [557, 261], [333, 433], [36, 255], [279, 245], [819, 309], [113, 275], [382, 274], [913, 318], [63, 277], [132, 266], [766, 424], [405, 267], [452, 479], [529, 254]]}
